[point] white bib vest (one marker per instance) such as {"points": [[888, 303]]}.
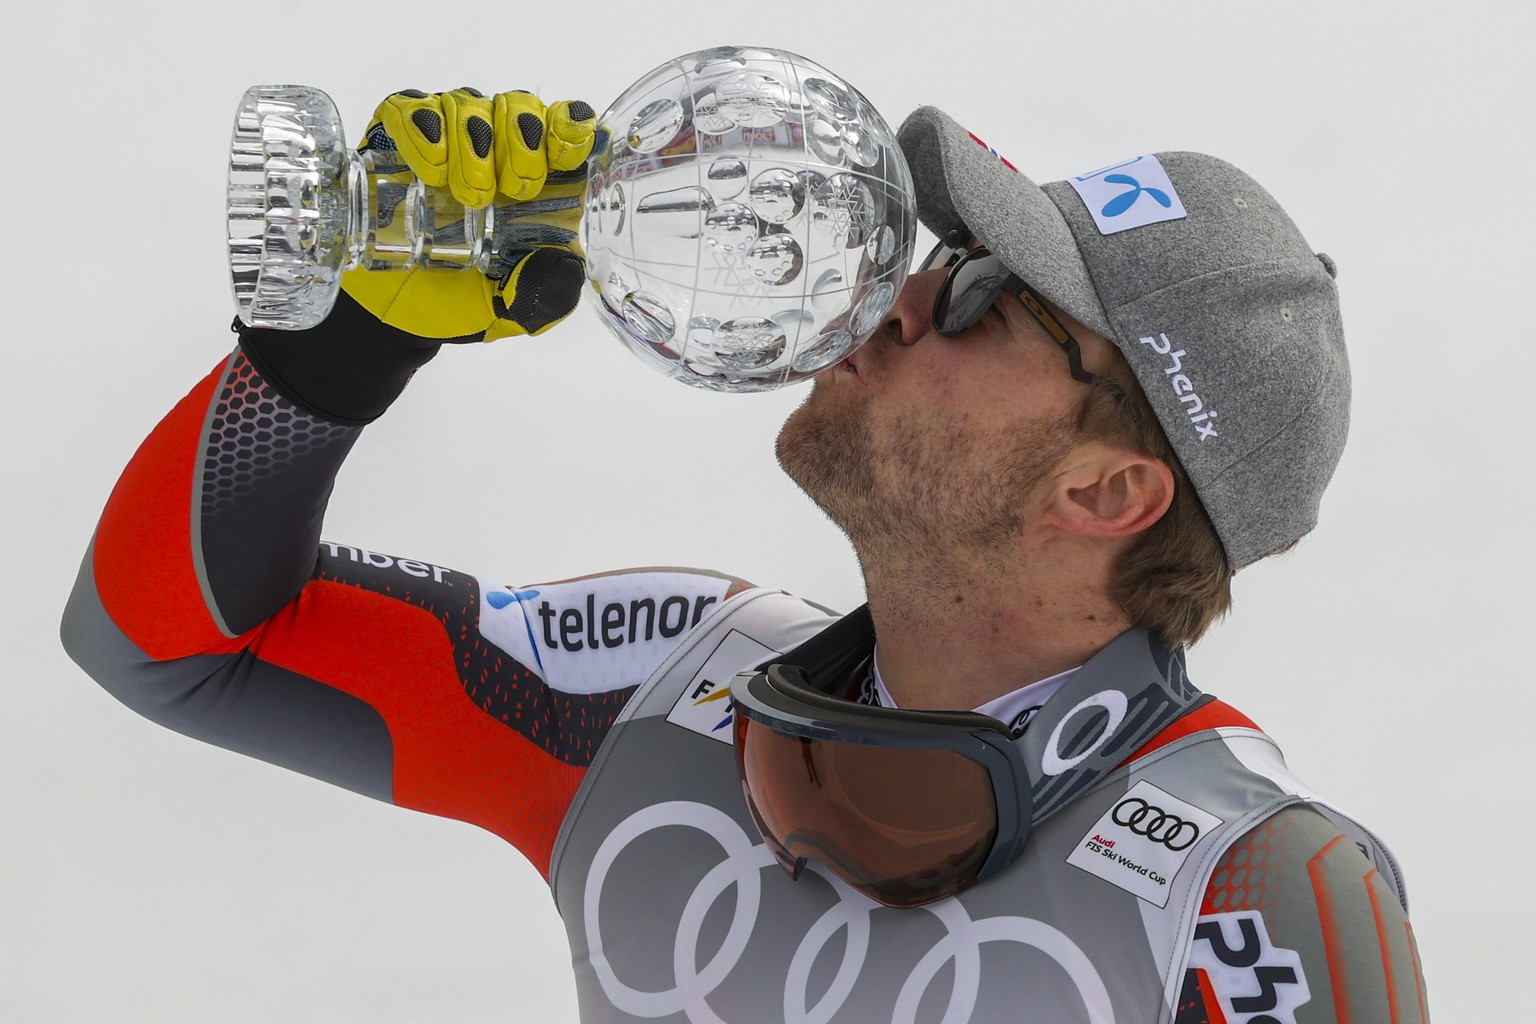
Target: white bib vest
{"points": [[676, 911]]}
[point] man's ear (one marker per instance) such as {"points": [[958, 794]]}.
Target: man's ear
{"points": [[1103, 491]]}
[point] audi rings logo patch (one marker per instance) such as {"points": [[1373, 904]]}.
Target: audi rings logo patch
{"points": [[1156, 824], [1142, 841]]}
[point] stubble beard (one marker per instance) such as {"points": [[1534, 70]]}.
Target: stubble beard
{"points": [[827, 455], [940, 496]]}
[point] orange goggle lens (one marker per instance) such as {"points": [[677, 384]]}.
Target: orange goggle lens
{"points": [[903, 825]]}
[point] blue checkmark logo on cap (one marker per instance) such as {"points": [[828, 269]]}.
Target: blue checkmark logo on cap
{"points": [[1125, 200]]}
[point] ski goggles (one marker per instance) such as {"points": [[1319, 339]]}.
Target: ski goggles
{"points": [[975, 281], [907, 807]]}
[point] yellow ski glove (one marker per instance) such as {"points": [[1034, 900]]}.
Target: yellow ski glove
{"points": [[509, 149]]}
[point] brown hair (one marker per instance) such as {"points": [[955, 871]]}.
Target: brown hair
{"points": [[1175, 580]]}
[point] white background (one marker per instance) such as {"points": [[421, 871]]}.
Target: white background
{"points": [[146, 877]]}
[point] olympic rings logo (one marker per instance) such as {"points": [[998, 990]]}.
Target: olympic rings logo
{"points": [[1156, 824], [852, 914]]}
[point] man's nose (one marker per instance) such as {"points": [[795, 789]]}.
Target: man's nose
{"points": [[911, 318]]}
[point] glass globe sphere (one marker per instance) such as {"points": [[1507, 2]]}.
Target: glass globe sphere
{"points": [[749, 219]]}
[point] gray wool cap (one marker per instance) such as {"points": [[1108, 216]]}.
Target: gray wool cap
{"points": [[1228, 318]]}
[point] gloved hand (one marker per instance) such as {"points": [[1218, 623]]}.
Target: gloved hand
{"points": [[507, 148]]}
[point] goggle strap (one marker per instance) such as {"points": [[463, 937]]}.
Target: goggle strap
{"points": [[836, 651]]}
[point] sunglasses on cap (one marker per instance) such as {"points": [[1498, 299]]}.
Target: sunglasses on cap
{"points": [[976, 280], [907, 807]]}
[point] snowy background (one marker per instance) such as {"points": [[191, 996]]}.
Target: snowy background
{"points": [[147, 877]]}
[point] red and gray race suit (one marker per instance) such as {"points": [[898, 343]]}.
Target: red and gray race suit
{"points": [[209, 603]]}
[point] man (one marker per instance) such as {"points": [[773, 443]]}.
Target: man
{"points": [[1091, 405]]}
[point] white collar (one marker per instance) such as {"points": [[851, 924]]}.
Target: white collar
{"points": [[1013, 709]]}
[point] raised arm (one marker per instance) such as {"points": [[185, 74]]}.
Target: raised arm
{"points": [[209, 603]]}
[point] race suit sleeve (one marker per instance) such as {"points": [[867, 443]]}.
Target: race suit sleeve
{"points": [[1297, 927], [208, 603]]}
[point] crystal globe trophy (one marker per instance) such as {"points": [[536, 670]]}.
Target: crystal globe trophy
{"points": [[749, 218]]}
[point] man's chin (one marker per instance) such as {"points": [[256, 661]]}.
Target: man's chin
{"points": [[824, 448], [805, 432], [788, 445]]}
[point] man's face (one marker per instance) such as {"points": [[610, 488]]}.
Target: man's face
{"points": [[941, 442]]}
